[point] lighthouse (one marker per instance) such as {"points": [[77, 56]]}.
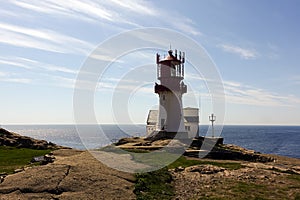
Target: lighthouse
{"points": [[170, 73]]}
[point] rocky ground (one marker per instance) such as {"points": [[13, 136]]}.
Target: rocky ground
{"points": [[276, 180], [77, 174], [15, 140], [73, 175]]}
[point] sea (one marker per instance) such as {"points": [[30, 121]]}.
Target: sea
{"points": [[280, 140]]}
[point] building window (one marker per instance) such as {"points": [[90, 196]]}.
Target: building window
{"points": [[164, 97], [187, 128]]}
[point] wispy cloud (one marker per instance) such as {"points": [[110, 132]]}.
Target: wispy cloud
{"points": [[185, 25], [125, 85], [128, 12], [104, 58], [239, 93], [110, 85], [137, 6], [117, 13], [34, 64], [84, 10], [42, 39], [7, 62], [10, 77], [16, 80], [242, 52], [3, 74]]}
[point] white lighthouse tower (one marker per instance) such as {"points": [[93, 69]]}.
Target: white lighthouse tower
{"points": [[170, 73]]}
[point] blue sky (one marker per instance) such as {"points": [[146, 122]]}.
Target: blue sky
{"points": [[254, 44]]}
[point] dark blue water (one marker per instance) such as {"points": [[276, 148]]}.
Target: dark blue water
{"points": [[280, 140]]}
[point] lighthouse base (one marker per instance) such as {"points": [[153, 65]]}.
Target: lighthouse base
{"points": [[159, 135]]}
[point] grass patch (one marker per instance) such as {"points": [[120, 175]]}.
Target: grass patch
{"points": [[295, 177], [158, 184], [154, 159], [243, 190], [154, 185], [247, 187], [161, 158], [113, 149], [137, 151], [12, 158], [184, 162]]}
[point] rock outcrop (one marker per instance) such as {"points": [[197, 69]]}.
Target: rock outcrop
{"points": [[74, 175], [8, 138], [77, 174], [193, 149], [252, 180]]}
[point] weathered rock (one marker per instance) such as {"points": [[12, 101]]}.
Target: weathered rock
{"points": [[272, 180], [18, 170], [232, 152], [2, 178], [43, 159], [15, 140], [73, 175], [204, 169]]}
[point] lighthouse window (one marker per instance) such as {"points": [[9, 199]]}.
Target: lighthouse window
{"points": [[164, 97], [173, 72], [187, 128]]}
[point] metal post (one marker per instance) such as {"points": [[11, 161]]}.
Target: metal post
{"points": [[212, 118]]}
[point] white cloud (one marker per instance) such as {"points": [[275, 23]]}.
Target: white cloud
{"points": [[86, 10], [137, 6], [3, 74], [13, 63], [242, 52], [116, 13], [173, 19], [125, 85], [11, 77], [43, 39], [130, 12], [239, 93], [34, 65], [105, 58], [16, 80], [184, 24], [60, 81]]}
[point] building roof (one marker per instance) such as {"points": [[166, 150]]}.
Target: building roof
{"points": [[190, 108], [153, 116], [192, 119]]}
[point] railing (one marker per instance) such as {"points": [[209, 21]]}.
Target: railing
{"points": [[178, 71]]}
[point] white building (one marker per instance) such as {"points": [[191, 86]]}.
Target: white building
{"points": [[190, 117]]}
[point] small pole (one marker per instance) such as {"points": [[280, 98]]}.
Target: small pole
{"points": [[212, 118]]}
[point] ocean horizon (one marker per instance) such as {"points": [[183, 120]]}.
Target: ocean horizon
{"points": [[269, 139]]}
